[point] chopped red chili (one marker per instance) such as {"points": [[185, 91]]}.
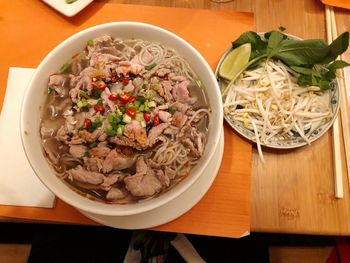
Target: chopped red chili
{"points": [[146, 117], [131, 112], [156, 120], [99, 85], [99, 108], [125, 81], [113, 97], [124, 97], [132, 99], [87, 123]]}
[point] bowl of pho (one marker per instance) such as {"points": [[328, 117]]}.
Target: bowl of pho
{"points": [[118, 119]]}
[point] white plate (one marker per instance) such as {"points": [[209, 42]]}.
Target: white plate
{"points": [[68, 9], [296, 140], [174, 208]]}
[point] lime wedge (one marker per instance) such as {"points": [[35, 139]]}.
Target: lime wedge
{"points": [[235, 61]]}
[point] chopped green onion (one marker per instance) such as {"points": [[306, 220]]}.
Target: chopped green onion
{"points": [[64, 67], [82, 103], [141, 99], [86, 109], [144, 86], [49, 90], [142, 107], [120, 129], [84, 94], [137, 104], [122, 109], [150, 66], [152, 104], [110, 132], [117, 118], [139, 116], [90, 42], [126, 119], [96, 94], [110, 118], [156, 87], [100, 102], [129, 105], [97, 123], [93, 144], [150, 95]]}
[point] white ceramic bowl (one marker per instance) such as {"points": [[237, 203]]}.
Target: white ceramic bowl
{"points": [[35, 96]]}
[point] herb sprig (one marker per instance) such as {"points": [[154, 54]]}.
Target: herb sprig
{"points": [[313, 59]]}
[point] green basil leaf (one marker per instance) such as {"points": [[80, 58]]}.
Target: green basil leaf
{"points": [[337, 65], [274, 43], [302, 52], [304, 80], [268, 34], [305, 71], [258, 45], [337, 47], [323, 84]]}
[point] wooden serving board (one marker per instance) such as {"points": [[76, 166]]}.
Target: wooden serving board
{"points": [[30, 29]]}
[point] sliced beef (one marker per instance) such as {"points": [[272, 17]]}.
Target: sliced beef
{"points": [[117, 161], [57, 82], [179, 119], [180, 106], [100, 151], [193, 150], [133, 130], [110, 180], [164, 116], [78, 151], [93, 164], [51, 147], [171, 130], [84, 176], [167, 87], [163, 179], [125, 141], [155, 132], [180, 92], [170, 173], [98, 58], [115, 194], [144, 182]]}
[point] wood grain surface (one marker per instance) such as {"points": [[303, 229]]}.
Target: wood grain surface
{"points": [[294, 191]]}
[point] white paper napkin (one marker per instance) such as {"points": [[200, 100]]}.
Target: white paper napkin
{"points": [[19, 185]]}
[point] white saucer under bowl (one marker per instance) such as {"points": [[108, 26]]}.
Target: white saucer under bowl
{"points": [[175, 207]]}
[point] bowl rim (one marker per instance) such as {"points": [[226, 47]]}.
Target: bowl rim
{"points": [[80, 201]]}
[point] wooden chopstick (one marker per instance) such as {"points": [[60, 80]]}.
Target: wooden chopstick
{"points": [[337, 161], [344, 110]]}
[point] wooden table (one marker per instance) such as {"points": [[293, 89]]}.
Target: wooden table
{"points": [[294, 191]]}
